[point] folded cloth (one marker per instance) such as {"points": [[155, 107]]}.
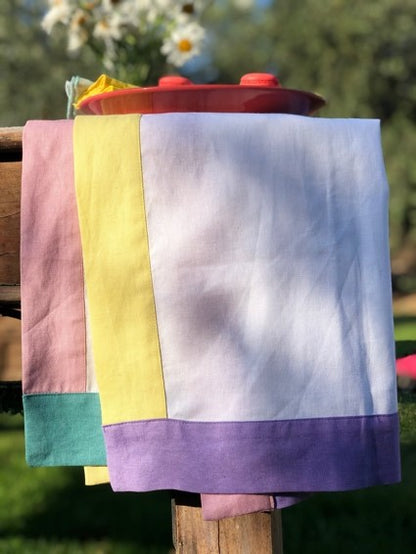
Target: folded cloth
{"points": [[61, 404], [104, 83], [219, 506], [62, 409], [96, 475], [238, 279], [74, 88]]}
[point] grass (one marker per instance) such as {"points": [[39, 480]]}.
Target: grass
{"points": [[380, 520], [405, 328], [50, 511]]}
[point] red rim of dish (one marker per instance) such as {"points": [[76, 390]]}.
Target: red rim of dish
{"points": [[317, 101]]}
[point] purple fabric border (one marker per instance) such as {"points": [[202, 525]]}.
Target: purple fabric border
{"points": [[306, 455]]}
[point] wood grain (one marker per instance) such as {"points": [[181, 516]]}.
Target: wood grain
{"points": [[249, 534], [10, 178], [10, 140]]}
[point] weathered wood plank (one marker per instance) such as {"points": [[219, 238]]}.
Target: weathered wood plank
{"points": [[10, 177], [10, 139], [252, 533], [248, 534], [10, 295], [193, 535], [10, 350]]}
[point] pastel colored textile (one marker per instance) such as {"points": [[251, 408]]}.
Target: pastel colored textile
{"points": [[104, 83], [122, 311], [214, 506], [219, 506], [107, 131], [62, 423], [74, 88], [61, 405], [96, 475], [238, 279]]}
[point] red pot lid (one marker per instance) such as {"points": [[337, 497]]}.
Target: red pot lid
{"points": [[256, 93]]}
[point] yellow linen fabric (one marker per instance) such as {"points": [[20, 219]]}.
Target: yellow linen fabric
{"points": [[110, 198], [104, 83], [96, 475]]}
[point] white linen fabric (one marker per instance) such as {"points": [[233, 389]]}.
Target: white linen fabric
{"points": [[268, 239]]}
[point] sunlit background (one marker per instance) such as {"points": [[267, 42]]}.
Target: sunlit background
{"points": [[361, 56]]}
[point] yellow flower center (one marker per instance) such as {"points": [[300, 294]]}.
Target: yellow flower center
{"points": [[184, 45], [103, 24], [79, 20]]}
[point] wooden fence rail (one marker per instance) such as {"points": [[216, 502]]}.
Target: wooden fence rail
{"points": [[249, 534]]}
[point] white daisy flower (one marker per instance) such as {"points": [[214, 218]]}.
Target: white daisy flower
{"points": [[89, 5], [59, 12], [109, 26], [110, 55], [78, 33], [184, 43], [151, 10]]}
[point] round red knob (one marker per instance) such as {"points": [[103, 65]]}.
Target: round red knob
{"points": [[259, 80], [174, 81]]}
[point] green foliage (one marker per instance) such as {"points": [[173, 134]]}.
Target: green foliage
{"points": [[33, 66], [361, 56], [379, 520], [405, 329], [49, 510]]}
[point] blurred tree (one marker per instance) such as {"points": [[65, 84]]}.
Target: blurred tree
{"points": [[33, 66], [361, 56]]}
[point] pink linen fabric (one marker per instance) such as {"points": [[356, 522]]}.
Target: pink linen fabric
{"points": [[219, 506], [61, 408], [53, 325], [55, 339]]}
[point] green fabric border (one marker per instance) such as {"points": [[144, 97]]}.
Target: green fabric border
{"points": [[63, 429]]}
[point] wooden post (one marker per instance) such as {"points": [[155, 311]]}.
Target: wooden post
{"points": [[259, 533], [10, 356], [250, 534], [10, 176]]}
